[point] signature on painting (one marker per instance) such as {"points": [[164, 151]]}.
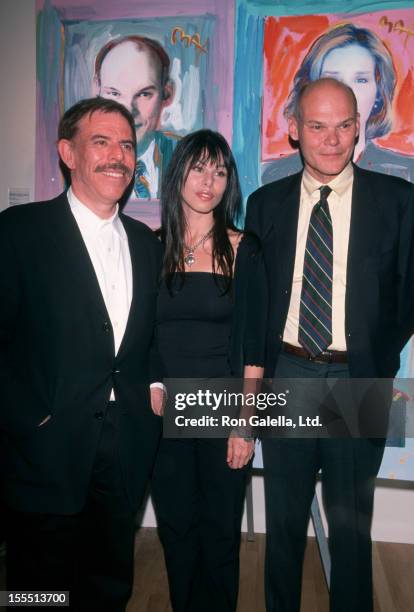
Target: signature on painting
{"points": [[188, 39]]}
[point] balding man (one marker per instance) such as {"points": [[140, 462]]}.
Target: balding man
{"points": [[338, 247], [134, 71]]}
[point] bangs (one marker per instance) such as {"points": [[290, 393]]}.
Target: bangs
{"points": [[207, 153], [205, 147], [203, 154]]}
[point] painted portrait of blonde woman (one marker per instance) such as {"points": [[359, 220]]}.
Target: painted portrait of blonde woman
{"points": [[359, 58]]}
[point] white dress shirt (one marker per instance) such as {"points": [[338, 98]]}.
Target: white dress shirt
{"points": [[339, 201], [107, 245]]}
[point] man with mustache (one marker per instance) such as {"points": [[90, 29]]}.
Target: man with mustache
{"points": [[78, 282]]}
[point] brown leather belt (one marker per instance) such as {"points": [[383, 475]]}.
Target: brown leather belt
{"points": [[325, 357]]}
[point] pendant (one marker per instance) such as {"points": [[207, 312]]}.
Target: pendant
{"points": [[189, 259]]}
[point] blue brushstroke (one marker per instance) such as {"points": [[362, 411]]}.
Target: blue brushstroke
{"points": [[264, 8], [48, 47], [248, 98]]}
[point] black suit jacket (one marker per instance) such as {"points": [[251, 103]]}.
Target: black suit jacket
{"points": [[57, 357], [379, 303]]}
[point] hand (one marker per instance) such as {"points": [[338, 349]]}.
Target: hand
{"points": [[157, 400], [239, 452]]}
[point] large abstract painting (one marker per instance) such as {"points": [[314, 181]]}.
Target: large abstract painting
{"points": [[170, 66]]}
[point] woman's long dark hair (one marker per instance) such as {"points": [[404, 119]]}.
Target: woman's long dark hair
{"points": [[202, 146]]}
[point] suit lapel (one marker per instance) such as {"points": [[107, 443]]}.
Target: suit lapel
{"points": [[365, 228], [69, 242], [285, 224], [140, 273]]}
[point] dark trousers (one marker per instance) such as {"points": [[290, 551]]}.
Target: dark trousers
{"points": [[349, 467], [89, 554], [199, 505]]}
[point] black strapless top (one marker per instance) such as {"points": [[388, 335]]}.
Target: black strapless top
{"points": [[193, 327]]}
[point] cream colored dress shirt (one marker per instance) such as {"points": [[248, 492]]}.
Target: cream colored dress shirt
{"points": [[339, 201]]}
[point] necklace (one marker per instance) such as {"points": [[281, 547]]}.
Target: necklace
{"points": [[189, 259]]}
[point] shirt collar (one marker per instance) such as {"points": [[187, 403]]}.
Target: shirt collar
{"points": [[88, 221], [148, 155], [339, 184]]}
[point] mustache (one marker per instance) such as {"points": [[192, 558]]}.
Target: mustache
{"points": [[115, 166]]}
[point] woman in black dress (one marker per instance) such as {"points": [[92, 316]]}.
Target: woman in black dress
{"points": [[199, 483]]}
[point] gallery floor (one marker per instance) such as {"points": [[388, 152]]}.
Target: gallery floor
{"points": [[393, 576]]}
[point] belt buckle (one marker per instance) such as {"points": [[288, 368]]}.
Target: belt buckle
{"points": [[325, 357]]}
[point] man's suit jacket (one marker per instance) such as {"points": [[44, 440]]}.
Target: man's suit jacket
{"points": [[57, 357], [379, 303], [165, 144]]}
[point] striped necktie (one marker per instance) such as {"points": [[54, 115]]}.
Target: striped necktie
{"points": [[141, 186], [315, 315]]}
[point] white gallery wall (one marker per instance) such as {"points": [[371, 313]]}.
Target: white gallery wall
{"points": [[17, 95], [394, 506]]}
